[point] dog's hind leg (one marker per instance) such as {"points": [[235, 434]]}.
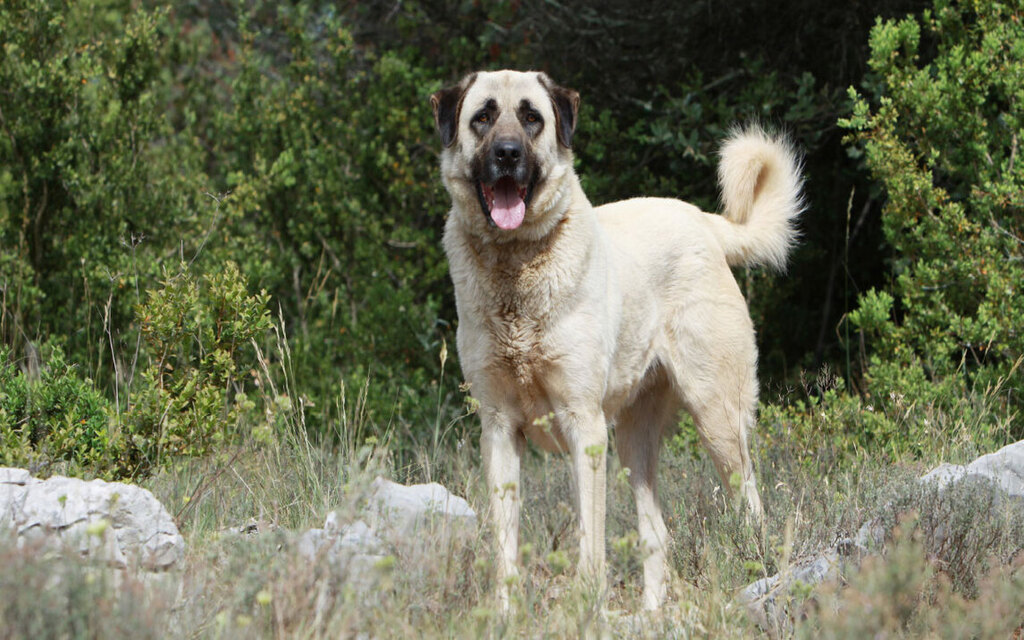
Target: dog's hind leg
{"points": [[715, 371], [724, 418], [638, 433]]}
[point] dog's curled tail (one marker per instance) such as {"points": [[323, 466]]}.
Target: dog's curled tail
{"points": [[761, 193]]}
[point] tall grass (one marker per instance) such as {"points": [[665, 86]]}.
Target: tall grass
{"points": [[255, 585], [242, 509]]}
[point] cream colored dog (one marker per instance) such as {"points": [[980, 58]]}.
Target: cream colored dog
{"points": [[575, 318]]}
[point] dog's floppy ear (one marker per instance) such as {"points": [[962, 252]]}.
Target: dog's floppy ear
{"points": [[446, 104], [567, 106]]}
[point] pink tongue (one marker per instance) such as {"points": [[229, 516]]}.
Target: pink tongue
{"points": [[509, 209]]}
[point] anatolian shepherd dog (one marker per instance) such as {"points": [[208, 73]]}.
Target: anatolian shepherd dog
{"points": [[575, 318]]}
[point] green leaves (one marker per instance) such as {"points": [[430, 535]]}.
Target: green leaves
{"points": [[200, 332], [136, 139], [943, 140], [53, 415]]}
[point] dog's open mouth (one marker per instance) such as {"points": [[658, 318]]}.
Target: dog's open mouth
{"points": [[504, 202]]}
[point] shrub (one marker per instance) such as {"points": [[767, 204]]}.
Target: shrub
{"points": [[133, 139], [57, 415], [200, 333], [940, 128], [909, 592], [329, 156], [93, 185]]}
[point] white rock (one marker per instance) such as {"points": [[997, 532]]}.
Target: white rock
{"points": [[406, 522], [1004, 467], [352, 551], [10, 475], [766, 600], [410, 510], [120, 524]]}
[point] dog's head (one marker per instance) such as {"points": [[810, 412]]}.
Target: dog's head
{"points": [[506, 139]]}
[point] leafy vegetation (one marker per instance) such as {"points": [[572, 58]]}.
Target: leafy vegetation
{"points": [[220, 250], [942, 139], [57, 416]]}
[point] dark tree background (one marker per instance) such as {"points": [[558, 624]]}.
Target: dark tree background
{"points": [[145, 145], [661, 82]]}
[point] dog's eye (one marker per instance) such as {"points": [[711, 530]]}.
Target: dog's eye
{"points": [[532, 118], [482, 118]]}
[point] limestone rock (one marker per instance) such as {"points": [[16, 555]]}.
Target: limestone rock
{"points": [[404, 522], [120, 524], [1005, 468], [411, 510], [352, 551]]}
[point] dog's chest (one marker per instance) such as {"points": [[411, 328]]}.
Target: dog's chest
{"points": [[513, 294], [518, 324]]}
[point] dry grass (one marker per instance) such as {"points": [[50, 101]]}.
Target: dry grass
{"points": [[256, 585]]}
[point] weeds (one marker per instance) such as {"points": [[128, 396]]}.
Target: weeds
{"points": [[255, 585]]}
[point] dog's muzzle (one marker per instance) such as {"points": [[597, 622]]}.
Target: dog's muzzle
{"points": [[505, 184]]}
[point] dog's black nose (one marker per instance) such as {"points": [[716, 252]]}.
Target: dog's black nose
{"points": [[507, 152]]}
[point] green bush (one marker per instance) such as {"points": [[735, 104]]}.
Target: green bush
{"points": [[201, 334], [56, 415], [334, 205], [940, 128], [94, 187], [134, 139]]}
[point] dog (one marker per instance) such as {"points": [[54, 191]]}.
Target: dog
{"points": [[574, 318]]}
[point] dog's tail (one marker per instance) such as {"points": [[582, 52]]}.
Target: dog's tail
{"points": [[761, 193]]}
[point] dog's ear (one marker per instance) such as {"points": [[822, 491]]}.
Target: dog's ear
{"points": [[446, 104], [567, 106]]}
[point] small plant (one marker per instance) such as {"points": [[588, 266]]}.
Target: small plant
{"points": [[55, 416], [905, 593], [199, 334]]}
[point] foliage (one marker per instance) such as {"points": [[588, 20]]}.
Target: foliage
{"points": [[134, 140], [259, 584], [89, 169], [941, 134], [334, 205], [192, 395], [56, 415], [94, 602]]}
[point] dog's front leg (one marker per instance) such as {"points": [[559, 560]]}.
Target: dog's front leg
{"points": [[588, 440], [501, 446]]}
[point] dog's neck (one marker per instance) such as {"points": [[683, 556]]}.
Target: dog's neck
{"points": [[540, 238], [521, 269]]}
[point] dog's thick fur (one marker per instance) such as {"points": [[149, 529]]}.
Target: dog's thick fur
{"points": [[575, 318]]}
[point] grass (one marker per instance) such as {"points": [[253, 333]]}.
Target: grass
{"points": [[277, 483], [244, 586]]}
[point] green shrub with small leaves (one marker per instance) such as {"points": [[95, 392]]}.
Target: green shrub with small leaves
{"points": [[134, 138], [201, 334], [96, 187], [328, 156], [54, 415], [940, 128]]}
